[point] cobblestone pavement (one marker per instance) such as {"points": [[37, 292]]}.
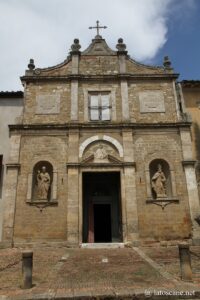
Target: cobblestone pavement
{"points": [[168, 257], [59, 272]]}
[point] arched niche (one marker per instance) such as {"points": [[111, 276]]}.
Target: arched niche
{"points": [[160, 174], [42, 178]]}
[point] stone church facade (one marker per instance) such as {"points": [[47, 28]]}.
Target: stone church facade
{"points": [[102, 153]]}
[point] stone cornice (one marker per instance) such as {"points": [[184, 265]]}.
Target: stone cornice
{"points": [[81, 77], [190, 83], [189, 162], [13, 165], [79, 126], [100, 165]]}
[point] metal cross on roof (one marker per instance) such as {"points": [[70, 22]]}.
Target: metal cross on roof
{"points": [[98, 27]]}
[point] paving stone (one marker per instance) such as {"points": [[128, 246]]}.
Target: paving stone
{"points": [[82, 275]]}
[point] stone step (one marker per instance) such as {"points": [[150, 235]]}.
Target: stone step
{"points": [[102, 245]]}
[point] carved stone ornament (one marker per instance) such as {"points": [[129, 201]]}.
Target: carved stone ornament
{"points": [[121, 47], [75, 47], [31, 64], [100, 152], [162, 202], [37, 71]]}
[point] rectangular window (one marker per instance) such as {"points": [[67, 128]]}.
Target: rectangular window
{"points": [[99, 106]]}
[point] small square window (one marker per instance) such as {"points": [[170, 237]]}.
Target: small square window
{"points": [[99, 106]]}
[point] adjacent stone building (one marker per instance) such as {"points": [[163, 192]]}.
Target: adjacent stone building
{"points": [[191, 93], [11, 105], [102, 153]]}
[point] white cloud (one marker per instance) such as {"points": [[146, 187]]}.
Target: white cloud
{"points": [[45, 29]]}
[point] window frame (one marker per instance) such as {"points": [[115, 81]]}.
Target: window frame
{"points": [[99, 108]]}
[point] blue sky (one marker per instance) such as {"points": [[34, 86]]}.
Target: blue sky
{"points": [[45, 29], [183, 43]]}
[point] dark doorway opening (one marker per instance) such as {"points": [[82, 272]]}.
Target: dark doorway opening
{"points": [[102, 223], [101, 207]]}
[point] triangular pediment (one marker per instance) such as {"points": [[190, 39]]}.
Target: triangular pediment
{"points": [[107, 159]]}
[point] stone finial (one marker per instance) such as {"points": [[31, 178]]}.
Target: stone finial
{"points": [[75, 47], [31, 65], [167, 62], [121, 47]]}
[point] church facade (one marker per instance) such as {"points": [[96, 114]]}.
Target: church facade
{"points": [[102, 153]]}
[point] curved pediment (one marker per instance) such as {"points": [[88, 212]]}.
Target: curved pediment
{"points": [[134, 67], [64, 68], [97, 59], [98, 47]]}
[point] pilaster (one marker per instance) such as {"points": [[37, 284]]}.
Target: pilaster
{"points": [[131, 205], [122, 53], [132, 234], [73, 190], [189, 169], [75, 53], [125, 101]]}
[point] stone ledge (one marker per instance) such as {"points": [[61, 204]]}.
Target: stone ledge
{"points": [[42, 204], [52, 202], [188, 162], [13, 165], [95, 125], [102, 245], [82, 77], [100, 165], [163, 202]]}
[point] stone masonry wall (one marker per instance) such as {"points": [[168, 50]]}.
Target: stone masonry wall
{"points": [[174, 221], [163, 89], [30, 222], [98, 65], [40, 110], [58, 112]]}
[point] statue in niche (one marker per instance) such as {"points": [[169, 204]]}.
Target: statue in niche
{"points": [[158, 183], [100, 153], [43, 184]]}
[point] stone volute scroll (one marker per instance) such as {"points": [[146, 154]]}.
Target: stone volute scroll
{"points": [[160, 184], [43, 185]]}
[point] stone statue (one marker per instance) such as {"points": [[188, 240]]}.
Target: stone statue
{"points": [[158, 183], [43, 184], [100, 153]]}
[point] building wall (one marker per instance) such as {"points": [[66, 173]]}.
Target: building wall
{"points": [[172, 222], [191, 94], [10, 110], [61, 94], [146, 125]]}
